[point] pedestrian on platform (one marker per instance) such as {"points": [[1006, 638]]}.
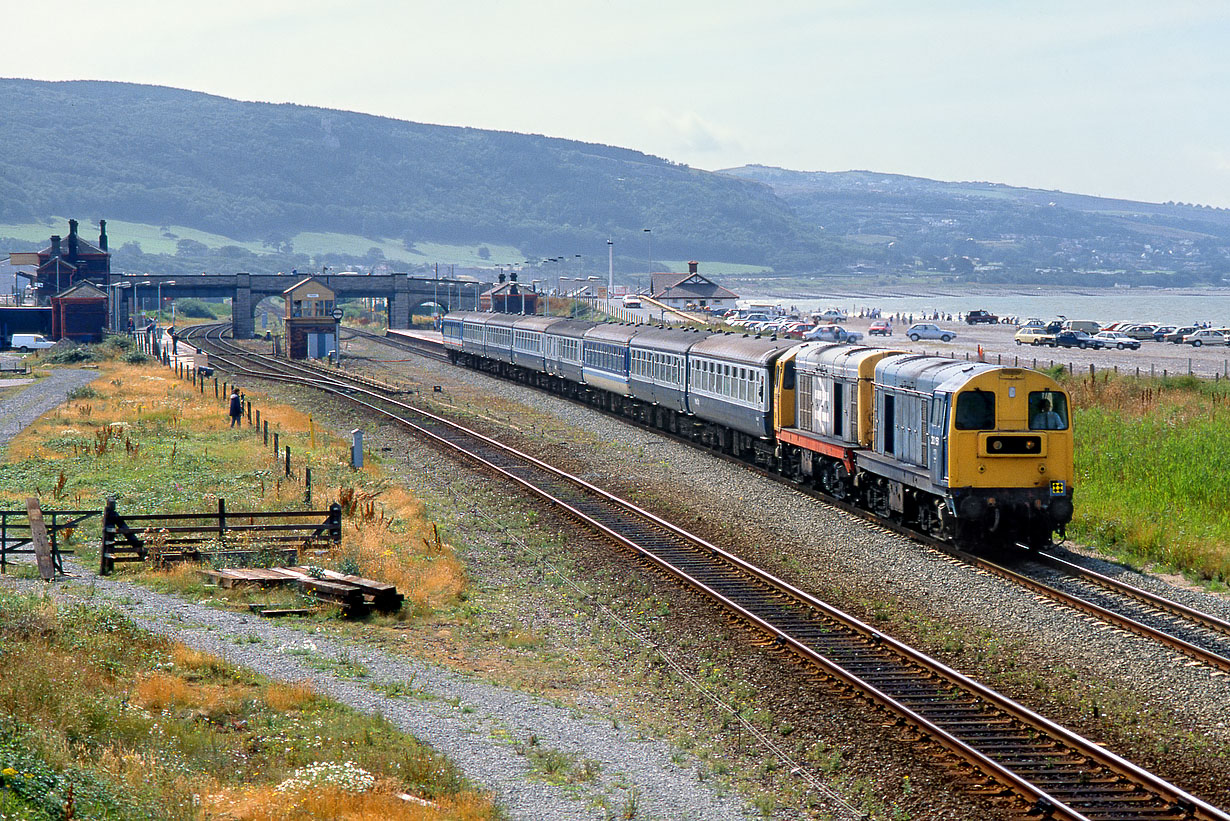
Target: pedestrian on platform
{"points": [[236, 407]]}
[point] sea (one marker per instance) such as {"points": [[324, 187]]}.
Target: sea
{"points": [[1168, 306]]}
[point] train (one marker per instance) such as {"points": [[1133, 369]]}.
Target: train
{"points": [[971, 453]]}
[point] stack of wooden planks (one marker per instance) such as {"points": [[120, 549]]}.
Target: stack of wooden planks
{"points": [[355, 594]]}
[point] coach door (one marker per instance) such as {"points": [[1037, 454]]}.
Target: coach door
{"points": [[937, 440]]}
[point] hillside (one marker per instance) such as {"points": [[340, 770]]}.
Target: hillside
{"points": [[191, 182], [263, 173], [992, 232]]}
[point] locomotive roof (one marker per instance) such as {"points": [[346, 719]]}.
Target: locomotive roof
{"points": [[751, 350], [830, 355], [926, 373]]}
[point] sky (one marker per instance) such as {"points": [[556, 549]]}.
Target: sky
{"points": [[1118, 98]]}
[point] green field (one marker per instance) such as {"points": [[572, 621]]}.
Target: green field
{"points": [[1152, 458]]}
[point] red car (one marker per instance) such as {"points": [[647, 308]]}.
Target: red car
{"points": [[881, 327]]}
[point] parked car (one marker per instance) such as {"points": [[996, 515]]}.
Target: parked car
{"points": [[832, 333], [797, 329], [1207, 336], [30, 342], [1034, 335], [1176, 335], [881, 327], [1118, 340], [1143, 332], [632, 301], [1087, 325], [1077, 339], [981, 318], [1160, 333], [1032, 322], [831, 315], [927, 330]]}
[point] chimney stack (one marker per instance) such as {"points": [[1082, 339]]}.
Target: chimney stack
{"points": [[55, 245], [692, 266], [102, 235], [72, 240]]}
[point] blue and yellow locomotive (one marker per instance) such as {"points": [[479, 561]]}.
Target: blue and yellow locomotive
{"points": [[966, 451]]}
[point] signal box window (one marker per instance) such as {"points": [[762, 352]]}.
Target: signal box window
{"points": [[1048, 410], [975, 410]]}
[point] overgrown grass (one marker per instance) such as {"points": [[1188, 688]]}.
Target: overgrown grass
{"points": [[117, 723], [157, 445], [1152, 461]]}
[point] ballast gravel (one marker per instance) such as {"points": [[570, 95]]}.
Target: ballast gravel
{"points": [[1158, 708]]}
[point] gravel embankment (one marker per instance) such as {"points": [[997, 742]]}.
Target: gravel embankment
{"points": [[32, 401], [477, 725], [1153, 705]]}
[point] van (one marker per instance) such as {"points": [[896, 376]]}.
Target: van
{"points": [[1087, 325], [30, 342]]}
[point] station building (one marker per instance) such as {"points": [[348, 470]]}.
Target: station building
{"points": [[691, 289]]}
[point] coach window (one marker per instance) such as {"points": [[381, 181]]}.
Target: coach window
{"points": [[975, 410], [1048, 410]]}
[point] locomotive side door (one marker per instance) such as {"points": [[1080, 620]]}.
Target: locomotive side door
{"points": [[937, 438]]}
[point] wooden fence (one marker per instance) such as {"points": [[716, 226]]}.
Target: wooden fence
{"points": [[17, 534], [166, 537]]}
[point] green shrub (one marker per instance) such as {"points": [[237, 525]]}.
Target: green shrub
{"points": [[194, 308], [135, 358], [70, 355]]}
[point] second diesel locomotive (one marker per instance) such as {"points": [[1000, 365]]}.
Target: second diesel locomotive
{"points": [[966, 451]]}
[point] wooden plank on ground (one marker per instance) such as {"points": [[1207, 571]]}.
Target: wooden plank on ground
{"points": [[42, 543]]}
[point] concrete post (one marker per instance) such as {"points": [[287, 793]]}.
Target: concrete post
{"points": [[356, 449]]}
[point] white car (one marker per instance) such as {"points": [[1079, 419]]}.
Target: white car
{"points": [[30, 342], [832, 315], [632, 301], [1207, 336], [1118, 340], [927, 330]]}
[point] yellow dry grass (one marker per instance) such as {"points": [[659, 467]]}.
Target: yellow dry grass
{"points": [[160, 691], [154, 423], [266, 804], [299, 695]]}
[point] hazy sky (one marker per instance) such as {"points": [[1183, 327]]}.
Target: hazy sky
{"points": [[1109, 97]]}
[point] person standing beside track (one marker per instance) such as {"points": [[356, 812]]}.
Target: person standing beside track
{"points": [[236, 407]]}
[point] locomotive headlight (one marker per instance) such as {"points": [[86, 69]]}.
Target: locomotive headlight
{"points": [[997, 445]]}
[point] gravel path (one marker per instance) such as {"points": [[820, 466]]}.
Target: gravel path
{"points": [[19, 410], [482, 728]]}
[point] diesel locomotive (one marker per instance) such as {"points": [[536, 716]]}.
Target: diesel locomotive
{"points": [[967, 451]]}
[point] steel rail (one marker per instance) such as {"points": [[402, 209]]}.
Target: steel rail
{"points": [[1167, 607], [739, 598]]}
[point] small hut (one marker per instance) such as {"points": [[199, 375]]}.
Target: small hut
{"points": [[79, 313], [310, 326]]}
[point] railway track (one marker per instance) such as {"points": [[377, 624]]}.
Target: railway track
{"points": [[1053, 771], [1182, 629]]}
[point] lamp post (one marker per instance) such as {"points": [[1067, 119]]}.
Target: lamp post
{"points": [[648, 232], [537, 296], [610, 267], [137, 299], [158, 313], [116, 287]]}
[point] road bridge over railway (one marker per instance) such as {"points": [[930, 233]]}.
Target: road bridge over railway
{"points": [[402, 293]]}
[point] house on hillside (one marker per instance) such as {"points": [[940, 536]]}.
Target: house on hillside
{"points": [[691, 289]]}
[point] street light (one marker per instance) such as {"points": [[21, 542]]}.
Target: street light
{"points": [[116, 287], [537, 296], [137, 298], [158, 313], [648, 232]]}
